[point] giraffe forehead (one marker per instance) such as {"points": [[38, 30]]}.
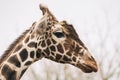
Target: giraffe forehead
{"points": [[57, 28]]}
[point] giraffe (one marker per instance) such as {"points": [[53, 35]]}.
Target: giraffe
{"points": [[46, 38]]}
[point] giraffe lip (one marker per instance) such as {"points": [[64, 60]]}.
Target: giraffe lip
{"points": [[90, 67]]}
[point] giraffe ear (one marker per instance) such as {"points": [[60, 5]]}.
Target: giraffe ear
{"points": [[46, 11]]}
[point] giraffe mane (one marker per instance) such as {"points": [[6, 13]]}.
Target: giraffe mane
{"points": [[12, 46]]}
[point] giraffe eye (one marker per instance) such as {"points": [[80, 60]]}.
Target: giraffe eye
{"points": [[59, 34]]}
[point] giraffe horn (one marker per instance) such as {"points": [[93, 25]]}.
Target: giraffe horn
{"points": [[45, 10]]}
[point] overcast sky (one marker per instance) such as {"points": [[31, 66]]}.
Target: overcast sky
{"points": [[85, 15], [89, 17]]}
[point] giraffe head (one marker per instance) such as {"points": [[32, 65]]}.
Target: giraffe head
{"points": [[59, 42]]}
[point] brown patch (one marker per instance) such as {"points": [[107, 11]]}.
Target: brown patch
{"points": [[73, 45], [58, 56], [8, 73], [60, 48], [74, 59], [27, 39], [49, 24], [32, 53], [43, 44], [23, 71], [76, 54], [52, 48], [54, 42], [38, 53], [23, 55], [18, 48], [66, 46], [44, 54], [66, 59], [77, 49], [69, 53], [46, 35], [48, 28], [32, 35], [14, 60], [39, 43], [28, 63], [53, 53], [52, 58], [48, 42], [12, 46], [47, 52], [32, 44]]}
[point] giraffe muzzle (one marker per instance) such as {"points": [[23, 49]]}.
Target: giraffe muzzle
{"points": [[91, 66], [88, 65]]}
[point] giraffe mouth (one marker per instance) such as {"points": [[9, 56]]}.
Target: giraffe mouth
{"points": [[88, 67]]}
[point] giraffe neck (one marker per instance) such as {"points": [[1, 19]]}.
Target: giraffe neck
{"points": [[21, 54]]}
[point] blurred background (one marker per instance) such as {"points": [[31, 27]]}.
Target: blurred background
{"points": [[96, 21]]}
